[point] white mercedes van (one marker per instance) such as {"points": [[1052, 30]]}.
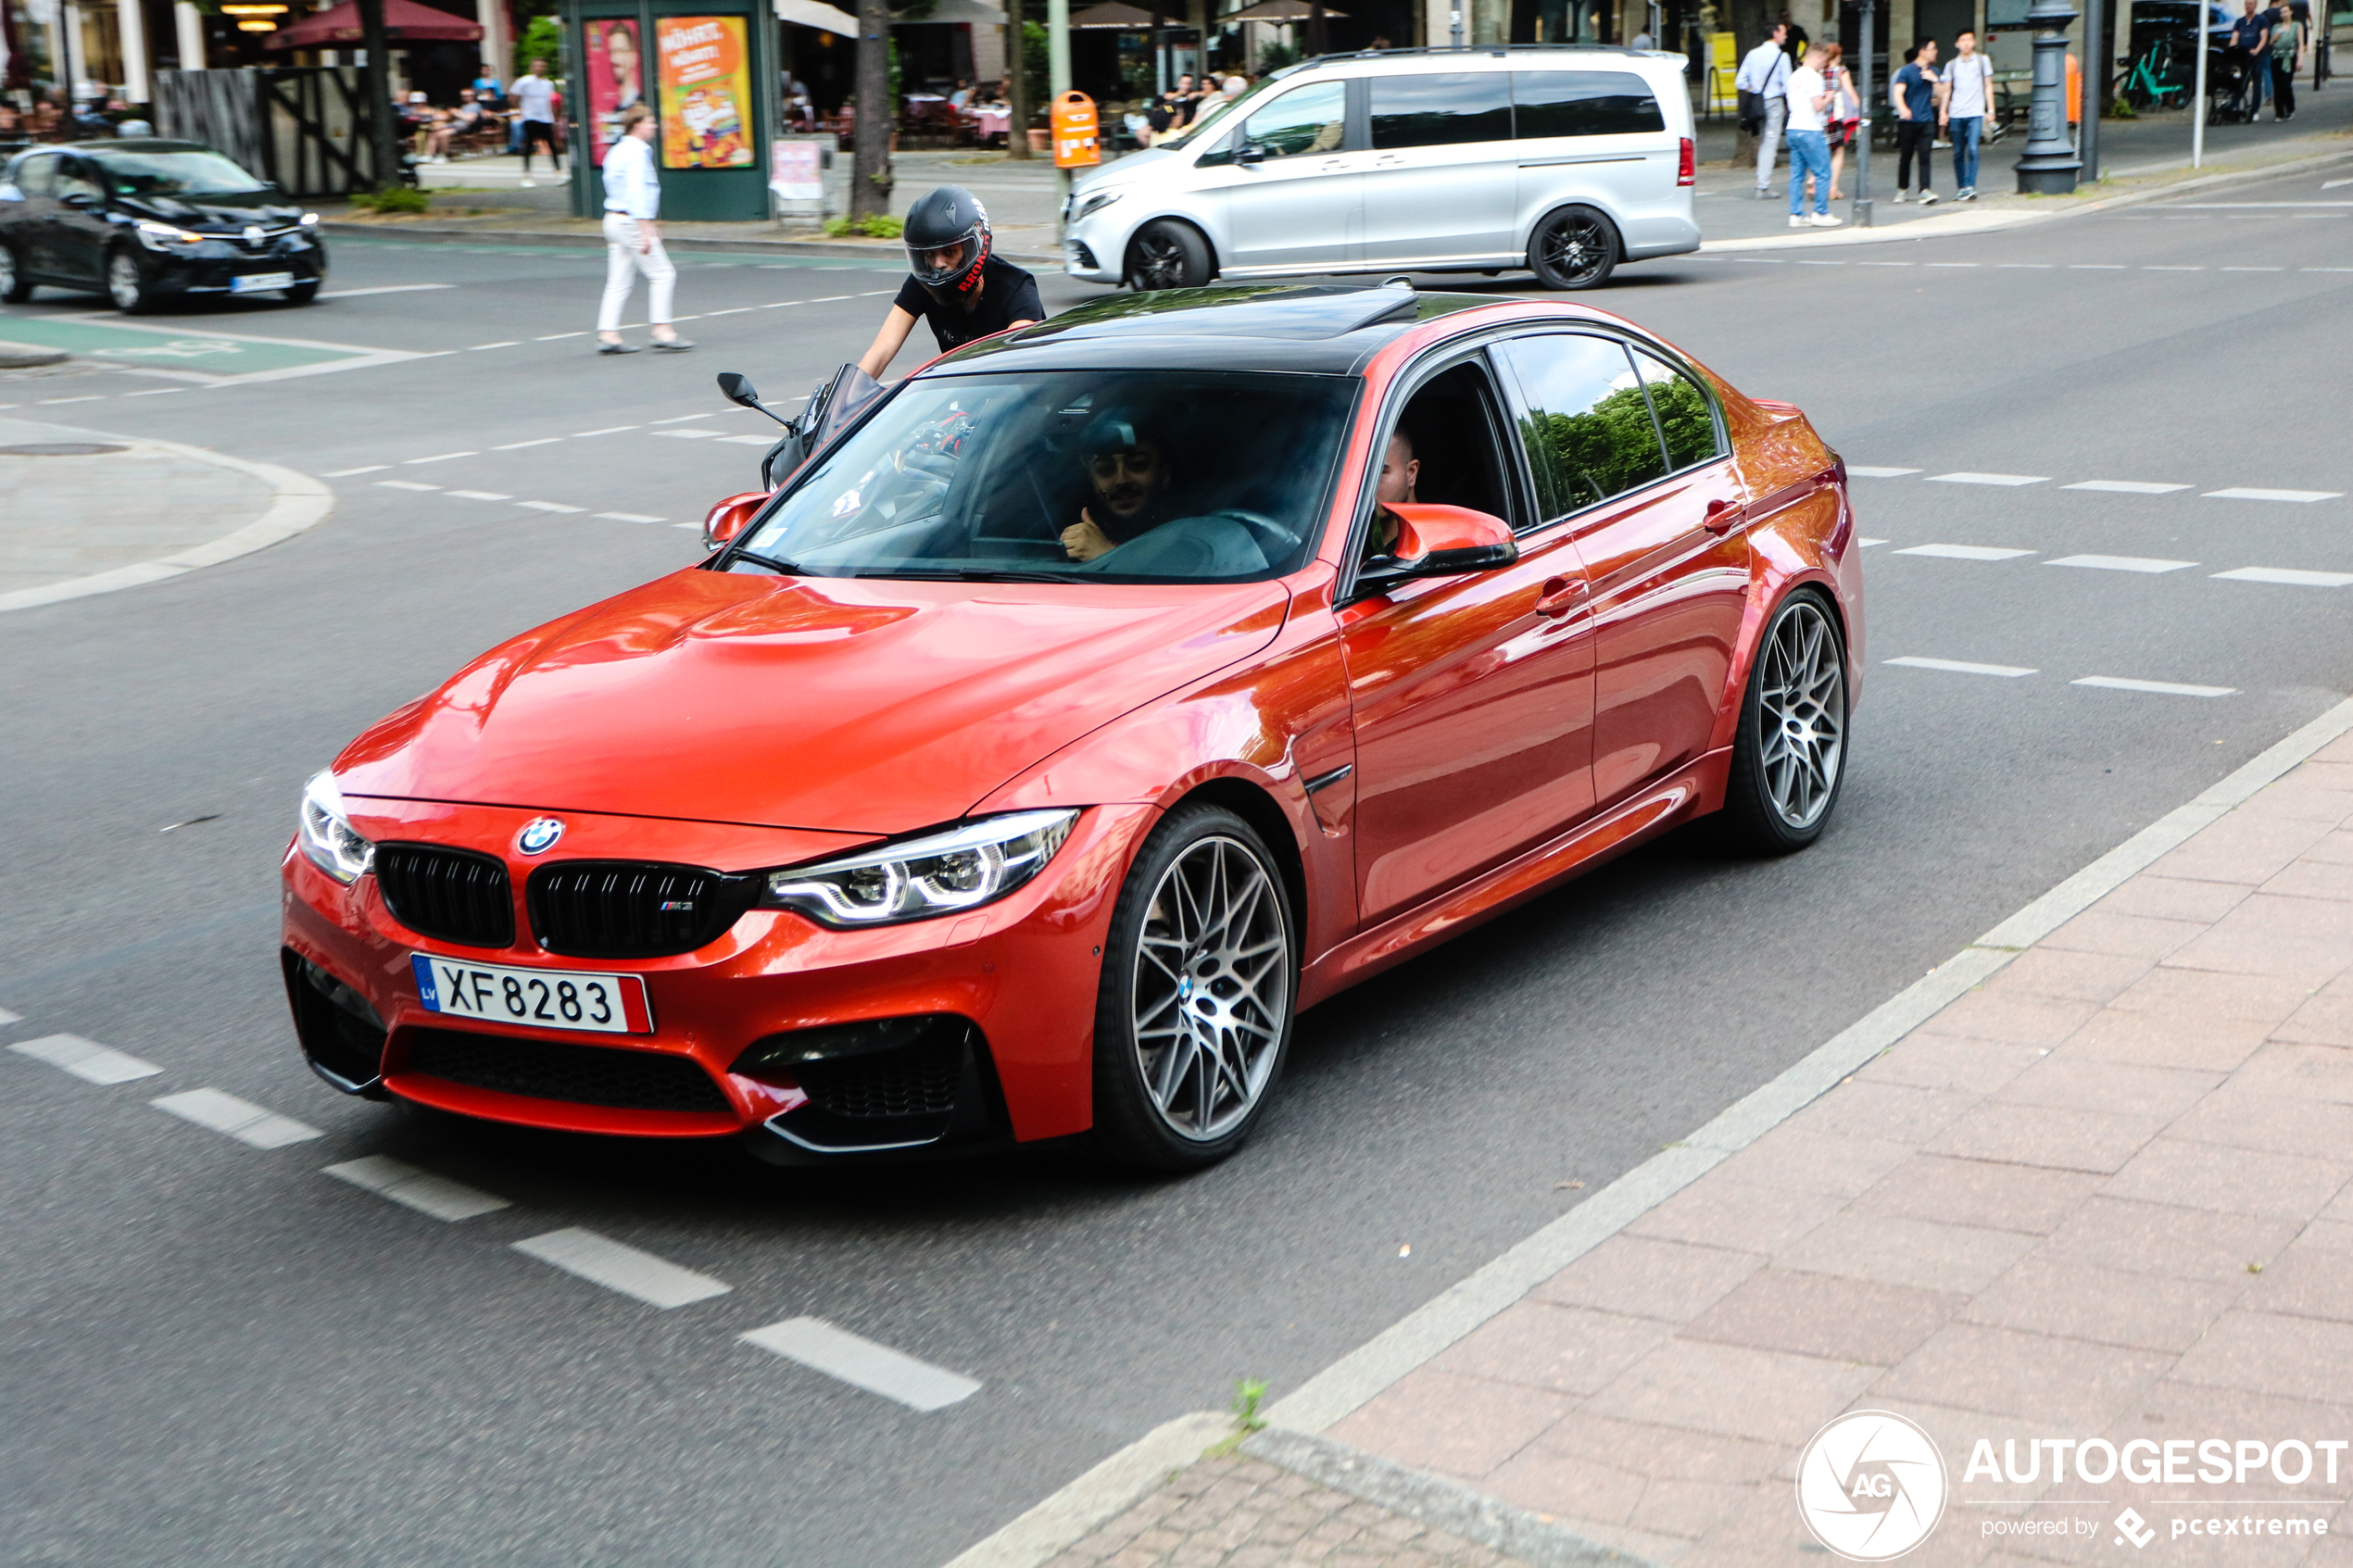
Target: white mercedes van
{"points": [[1563, 159]]}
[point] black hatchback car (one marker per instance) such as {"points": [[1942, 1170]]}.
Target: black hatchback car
{"points": [[145, 220]]}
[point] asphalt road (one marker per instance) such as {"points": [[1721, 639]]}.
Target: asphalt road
{"points": [[212, 1353]]}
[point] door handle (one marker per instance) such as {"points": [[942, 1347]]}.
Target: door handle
{"points": [[1387, 160], [1721, 516], [1561, 595]]}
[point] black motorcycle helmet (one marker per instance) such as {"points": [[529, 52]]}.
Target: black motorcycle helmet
{"points": [[948, 238]]}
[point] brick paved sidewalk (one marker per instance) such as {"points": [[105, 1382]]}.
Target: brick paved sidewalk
{"points": [[2101, 1196]]}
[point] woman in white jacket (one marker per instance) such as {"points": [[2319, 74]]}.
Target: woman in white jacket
{"points": [[633, 199]]}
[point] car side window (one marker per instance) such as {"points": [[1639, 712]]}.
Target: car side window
{"points": [[1685, 418], [37, 176], [1582, 102], [1441, 109], [1312, 120], [1583, 419], [73, 180]]}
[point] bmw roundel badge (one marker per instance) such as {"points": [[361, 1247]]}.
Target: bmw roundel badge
{"points": [[539, 834]]}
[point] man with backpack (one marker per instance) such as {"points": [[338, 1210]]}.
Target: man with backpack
{"points": [[1968, 83], [1763, 85]]}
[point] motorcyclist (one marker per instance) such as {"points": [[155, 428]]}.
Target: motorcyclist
{"points": [[959, 286]]}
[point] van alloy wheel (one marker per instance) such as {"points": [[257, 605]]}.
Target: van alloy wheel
{"points": [[1574, 248]]}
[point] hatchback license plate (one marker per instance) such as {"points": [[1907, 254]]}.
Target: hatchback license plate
{"points": [[261, 282], [541, 998]]}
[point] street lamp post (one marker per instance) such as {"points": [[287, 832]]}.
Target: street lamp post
{"points": [[1863, 136], [2097, 41], [2049, 165]]}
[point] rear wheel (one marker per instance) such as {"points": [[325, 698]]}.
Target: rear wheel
{"points": [[127, 283], [1575, 247], [1199, 972], [1790, 756], [1167, 255], [15, 287]]}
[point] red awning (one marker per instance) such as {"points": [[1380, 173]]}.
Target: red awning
{"points": [[404, 21]]}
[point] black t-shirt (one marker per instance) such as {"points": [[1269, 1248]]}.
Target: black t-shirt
{"points": [[1007, 294]]}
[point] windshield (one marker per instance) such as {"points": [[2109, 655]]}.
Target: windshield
{"points": [[1149, 476], [1218, 115], [175, 174]]}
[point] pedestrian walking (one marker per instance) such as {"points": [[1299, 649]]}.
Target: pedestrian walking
{"points": [[1763, 80], [632, 200], [2287, 48], [1846, 114], [1968, 97], [534, 98], [1914, 94], [1809, 151]]}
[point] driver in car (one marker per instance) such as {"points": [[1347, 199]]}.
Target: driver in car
{"points": [[1125, 527], [1399, 471]]}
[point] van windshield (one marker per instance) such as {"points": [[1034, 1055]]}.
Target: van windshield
{"points": [[1151, 476], [1219, 114]]}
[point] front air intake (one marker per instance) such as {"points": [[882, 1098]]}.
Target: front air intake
{"points": [[556, 1070]]}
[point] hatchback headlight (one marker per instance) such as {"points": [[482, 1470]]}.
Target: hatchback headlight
{"points": [[938, 874], [326, 835], [154, 237], [1095, 203]]}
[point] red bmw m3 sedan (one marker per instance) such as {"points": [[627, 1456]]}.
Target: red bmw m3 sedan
{"points": [[1060, 729]]}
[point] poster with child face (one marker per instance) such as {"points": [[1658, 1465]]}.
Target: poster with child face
{"points": [[706, 92], [616, 80]]}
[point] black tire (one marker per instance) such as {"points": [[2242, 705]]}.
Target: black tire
{"points": [[303, 293], [1573, 247], [1219, 1013], [1780, 796], [15, 287], [127, 283], [1165, 253]]}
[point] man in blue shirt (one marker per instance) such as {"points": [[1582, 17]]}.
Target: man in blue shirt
{"points": [[1914, 94], [2252, 33]]}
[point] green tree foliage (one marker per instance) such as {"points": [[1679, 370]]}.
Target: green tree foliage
{"points": [[543, 40], [1683, 415], [1594, 455]]}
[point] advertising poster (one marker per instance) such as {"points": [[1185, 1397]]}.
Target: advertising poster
{"points": [[706, 92], [616, 80], [796, 171]]}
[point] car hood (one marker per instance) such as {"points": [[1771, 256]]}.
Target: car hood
{"points": [[859, 706], [234, 210], [1128, 170]]}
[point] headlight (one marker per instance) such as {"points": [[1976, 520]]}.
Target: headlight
{"points": [[326, 834], [308, 218], [154, 237], [1095, 203], [961, 869]]}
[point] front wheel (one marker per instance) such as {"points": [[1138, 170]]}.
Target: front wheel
{"points": [[303, 293], [1573, 248], [1200, 974], [1790, 755], [1167, 255], [127, 284]]}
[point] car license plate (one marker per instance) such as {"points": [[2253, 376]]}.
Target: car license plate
{"points": [[543, 998], [261, 282]]}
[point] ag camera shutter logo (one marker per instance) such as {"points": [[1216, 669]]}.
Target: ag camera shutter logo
{"points": [[1871, 1485]]}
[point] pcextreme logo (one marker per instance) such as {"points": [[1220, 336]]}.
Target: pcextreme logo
{"points": [[1871, 1485]]}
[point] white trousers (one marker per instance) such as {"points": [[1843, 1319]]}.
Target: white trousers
{"points": [[1767, 144], [623, 262]]}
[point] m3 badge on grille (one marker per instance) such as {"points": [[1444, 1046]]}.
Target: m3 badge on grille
{"points": [[539, 834]]}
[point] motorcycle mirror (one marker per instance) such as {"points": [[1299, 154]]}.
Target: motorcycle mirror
{"points": [[737, 389]]}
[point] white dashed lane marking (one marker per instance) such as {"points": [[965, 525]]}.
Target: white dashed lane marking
{"points": [[7, 1017], [2125, 486], [878, 1369], [418, 1189], [346, 473], [1855, 471], [2250, 495], [1986, 479], [602, 1261], [609, 430], [2121, 563], [676, 419], [2162, 688], [2287, 577], [746, 440], [635, 517], [689, 435], [510, 342], [1960, 666], [439, 457], [550, 507], [1965, 552], [479, 496], [404, 484], [241, 1120], [86, 1059], [519, 445]]}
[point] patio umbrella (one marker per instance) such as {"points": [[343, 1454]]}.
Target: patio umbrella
{"points": [[404, 21], [1276, 11], [1111, 14]]}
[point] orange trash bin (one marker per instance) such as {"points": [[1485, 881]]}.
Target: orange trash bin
{"points": [[1075, 137]]}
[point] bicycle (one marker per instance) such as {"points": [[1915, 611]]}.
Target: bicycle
{"points": [[2153, 81]]}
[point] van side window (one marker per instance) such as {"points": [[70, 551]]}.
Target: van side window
{"points": [[1582, 102], [1441, 110], [76, 178], [37, 175], [1312, 120], [1684, 417], [1583, 419]]}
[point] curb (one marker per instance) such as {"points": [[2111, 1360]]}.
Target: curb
{"points": [[1103, 1491], [1421, 1335], [1433, 1501], [297, 502], [1958, 223], [836, 250]]}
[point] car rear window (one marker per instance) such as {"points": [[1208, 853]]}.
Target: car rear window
{"points": [[1582, 102], [1443, 108]]}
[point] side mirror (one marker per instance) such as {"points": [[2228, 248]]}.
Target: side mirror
{"points": [[1439, 540], [738, 389], [724, 522], [1250, 154]]}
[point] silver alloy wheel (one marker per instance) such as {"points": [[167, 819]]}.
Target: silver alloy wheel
{"points": [[1213, 988], [7, 270], [1802, 712], [123, 281]]}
